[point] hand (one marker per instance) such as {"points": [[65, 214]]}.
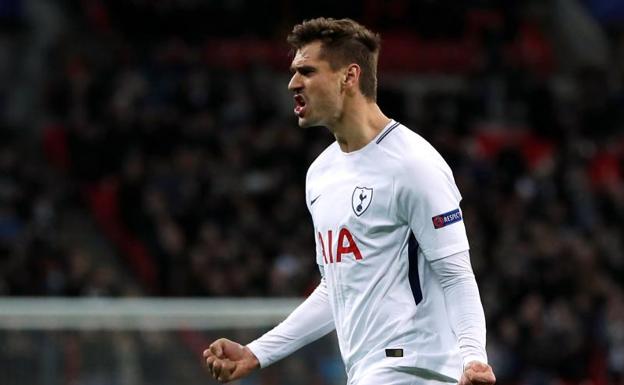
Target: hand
{"points": [[477, 373], [228, 360]]}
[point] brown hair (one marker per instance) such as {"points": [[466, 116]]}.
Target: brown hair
{"points": [[344, 41]]}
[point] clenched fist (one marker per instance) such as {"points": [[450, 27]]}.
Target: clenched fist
{"points": [[477, 373], [228, 360]]}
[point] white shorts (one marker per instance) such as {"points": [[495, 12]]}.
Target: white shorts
{"points": [[401, 375]]}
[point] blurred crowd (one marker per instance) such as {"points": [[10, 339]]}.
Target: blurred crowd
{"points": [[176, 137]]}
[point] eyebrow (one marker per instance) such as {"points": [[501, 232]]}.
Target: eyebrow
{"points": [[294, 69]]}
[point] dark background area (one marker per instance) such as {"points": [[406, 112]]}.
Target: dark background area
{"points": [[148, 148]]}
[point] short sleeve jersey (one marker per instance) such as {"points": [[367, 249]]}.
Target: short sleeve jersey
{"points": [[381, 214]]}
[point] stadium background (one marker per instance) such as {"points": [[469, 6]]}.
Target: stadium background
{"points": [[148, 149]]}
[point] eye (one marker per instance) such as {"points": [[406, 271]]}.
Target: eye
{"points": [[305, 71]]}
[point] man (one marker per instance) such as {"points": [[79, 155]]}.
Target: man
{"points": [[396, 283]]}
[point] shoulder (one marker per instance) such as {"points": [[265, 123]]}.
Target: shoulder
{"points": [[424, 184], [415, 156]]}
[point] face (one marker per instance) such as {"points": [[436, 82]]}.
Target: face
{"points": [[317, 89]]}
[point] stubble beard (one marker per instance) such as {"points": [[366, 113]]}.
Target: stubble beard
{"points": [[332, 113]]}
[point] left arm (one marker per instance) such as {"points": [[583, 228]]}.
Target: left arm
{"points": [[463, 304], [429, 200], [466, 316]]}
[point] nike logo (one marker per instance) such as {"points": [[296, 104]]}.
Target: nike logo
{"points": [[314, 200]]}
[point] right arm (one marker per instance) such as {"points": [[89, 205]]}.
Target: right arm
{"points": [[228, 360], [310, 321]]}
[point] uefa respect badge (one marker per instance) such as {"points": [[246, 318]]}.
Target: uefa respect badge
{"points": [[446, 219]]}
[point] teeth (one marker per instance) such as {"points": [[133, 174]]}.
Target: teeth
{"points": [[300, 105]]}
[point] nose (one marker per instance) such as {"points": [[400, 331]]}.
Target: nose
{"points": [[295, 82]]}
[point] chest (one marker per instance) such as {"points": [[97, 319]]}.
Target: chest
{"points": [[359, 199]]}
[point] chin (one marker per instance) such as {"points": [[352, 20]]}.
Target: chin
{"points": [[309, 121], [305, 123]]}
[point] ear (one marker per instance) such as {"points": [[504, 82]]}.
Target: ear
{"points": [[351, 77]]}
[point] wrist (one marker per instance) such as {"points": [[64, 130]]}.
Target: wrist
{"points": [[254, 363], [473, 360]]}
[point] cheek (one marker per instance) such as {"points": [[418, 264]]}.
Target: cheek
{"points": [[326, 105], [330, 96]]}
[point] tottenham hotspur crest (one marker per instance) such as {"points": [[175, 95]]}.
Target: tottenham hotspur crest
{"points": [[361, 199]]}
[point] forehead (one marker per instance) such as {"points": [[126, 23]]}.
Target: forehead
{"points": [[308, 54]]}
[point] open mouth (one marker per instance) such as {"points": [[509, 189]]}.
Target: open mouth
{"points": [[300, 105]]}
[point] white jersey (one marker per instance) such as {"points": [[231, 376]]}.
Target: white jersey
{"points": [[385, 216], [381, 214]]}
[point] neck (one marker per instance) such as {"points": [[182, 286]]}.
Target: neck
{"points": [[361, 122]]}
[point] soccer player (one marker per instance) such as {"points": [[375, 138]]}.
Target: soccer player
{"points": [[396, 280]]}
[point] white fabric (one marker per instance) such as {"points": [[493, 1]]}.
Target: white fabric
{"points": [[378, 248], [463, 305], [308, 322]]}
